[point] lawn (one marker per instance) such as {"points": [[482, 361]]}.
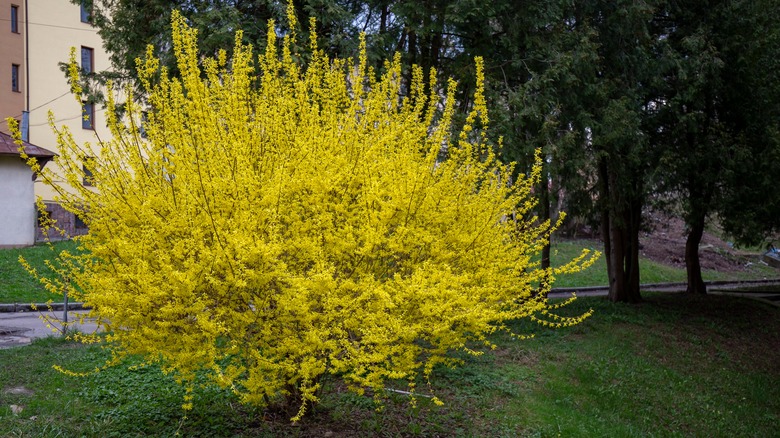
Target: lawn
{"points": [[651, 272], [16, 285], [675, 365]]}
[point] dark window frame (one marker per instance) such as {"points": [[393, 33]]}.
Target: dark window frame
{"points": [[15, 18], [78, 222], [90, 59], [15, 78], [88, 116], [42, 216], [86, 12], [88, 180]]}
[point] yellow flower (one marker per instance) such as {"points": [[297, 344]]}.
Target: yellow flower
{"points": [[276, 224]]}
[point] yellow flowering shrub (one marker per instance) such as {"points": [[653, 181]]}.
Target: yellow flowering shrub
{"points": [[272, 224]]}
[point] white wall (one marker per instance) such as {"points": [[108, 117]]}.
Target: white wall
{"points": [[17, 203]]}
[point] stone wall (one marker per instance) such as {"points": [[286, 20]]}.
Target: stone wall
{"points": [[65, 221]]}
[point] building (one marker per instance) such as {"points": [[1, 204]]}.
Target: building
{"points": [[17, 197], [37, 41], [12, 69]]}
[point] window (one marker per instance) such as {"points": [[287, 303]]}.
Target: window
{"points": [[88, 115], [15, 77], [87, 164], [86, 12], [87, 59], [79, 222], [44, 216], [14, 19], [142, 127]]}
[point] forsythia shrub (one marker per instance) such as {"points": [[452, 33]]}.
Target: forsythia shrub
{"points": [[266, 224]]}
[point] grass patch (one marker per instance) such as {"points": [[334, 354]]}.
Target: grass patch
{"points": [[650, 271], [18, 286], [674, 365]]}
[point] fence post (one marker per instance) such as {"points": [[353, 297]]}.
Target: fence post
{"points": [[65, 313]]}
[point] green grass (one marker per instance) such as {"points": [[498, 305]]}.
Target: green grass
{"points": [[650, 271], [674, 365], [16, 285]]}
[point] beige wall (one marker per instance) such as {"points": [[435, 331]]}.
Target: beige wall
{"points": [[17, 202], [11, 52], [55, 27]]}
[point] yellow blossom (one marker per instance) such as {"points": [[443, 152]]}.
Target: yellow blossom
{"points": [[272, 224]]}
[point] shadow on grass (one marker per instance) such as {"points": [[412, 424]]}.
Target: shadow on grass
{"points": [[674, 365]]}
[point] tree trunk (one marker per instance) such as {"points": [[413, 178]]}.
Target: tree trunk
{"points": [[383, 20], [620, 232], [692, 263], [605, 239], [544, 198], [617, 255], [622, 249], [605, 221], [633, 221], [545, 216]]}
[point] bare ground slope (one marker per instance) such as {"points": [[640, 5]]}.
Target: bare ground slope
{"points": [[665, 243]]}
